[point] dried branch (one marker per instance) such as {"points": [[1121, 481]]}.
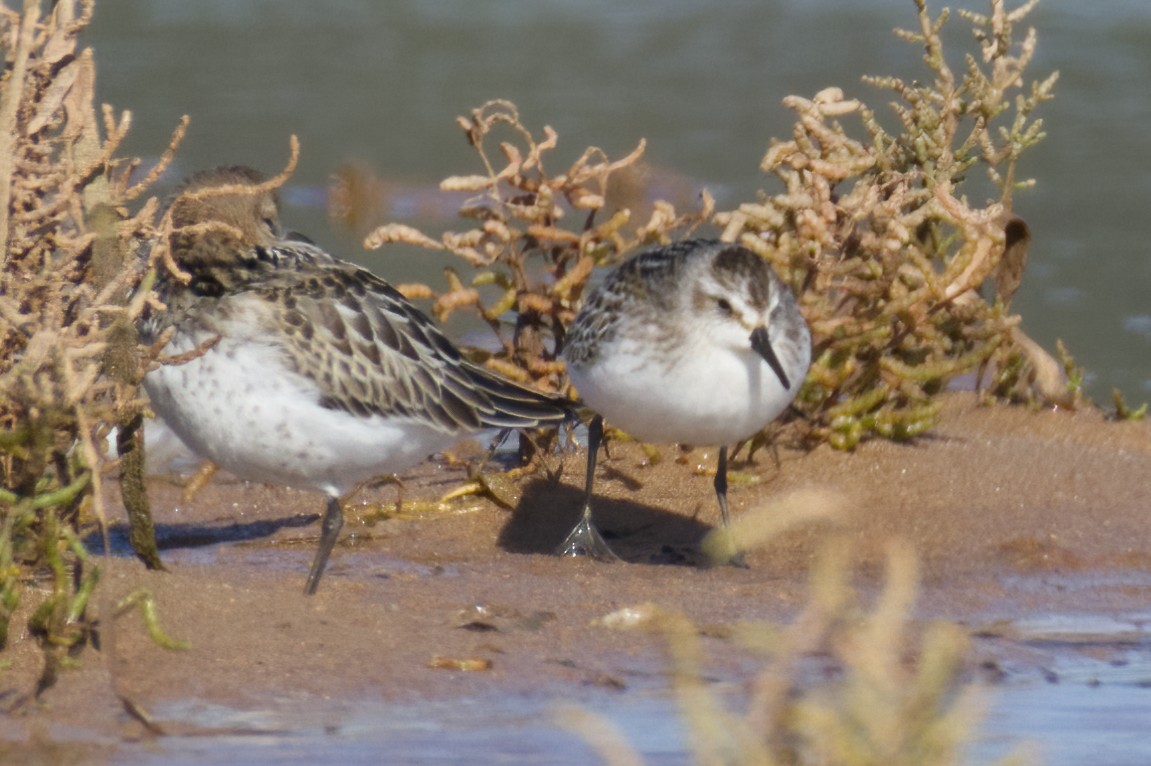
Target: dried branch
{"points": [[70, 363], [885, 253]]}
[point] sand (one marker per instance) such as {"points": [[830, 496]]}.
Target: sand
{"points": [[1013, 513]]}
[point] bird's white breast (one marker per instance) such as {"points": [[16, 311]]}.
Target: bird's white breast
{"points": [[240, 406], [703, 394]]}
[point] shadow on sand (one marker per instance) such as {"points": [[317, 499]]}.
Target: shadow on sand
{"points": [[638, 533], [197, 535]]}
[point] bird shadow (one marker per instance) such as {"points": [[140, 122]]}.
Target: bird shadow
{"points": [[197, 535], [637, 533]]}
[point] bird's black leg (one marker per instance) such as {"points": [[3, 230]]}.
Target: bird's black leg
{"points": [[329, 533], [585, 539], [737, 559]]}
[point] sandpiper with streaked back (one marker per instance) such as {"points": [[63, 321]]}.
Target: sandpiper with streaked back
{"points": [[313, 372], [698, 342]]}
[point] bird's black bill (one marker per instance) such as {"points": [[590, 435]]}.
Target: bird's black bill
{"points": [[762, 345]]}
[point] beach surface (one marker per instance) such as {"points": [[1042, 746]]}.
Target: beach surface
{"points": [[1015, 515]]}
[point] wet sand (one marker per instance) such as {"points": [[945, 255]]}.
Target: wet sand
{"points": [[1015, 514]]}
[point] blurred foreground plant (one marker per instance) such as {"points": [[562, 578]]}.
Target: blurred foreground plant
{"points": [[844, 683], [69, 360]]}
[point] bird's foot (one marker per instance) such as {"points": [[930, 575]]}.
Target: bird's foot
{"points": [[586, 540]]}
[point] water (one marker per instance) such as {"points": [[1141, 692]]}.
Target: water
{"points": [[1083, 710], [1086, 701], [381, 83]]}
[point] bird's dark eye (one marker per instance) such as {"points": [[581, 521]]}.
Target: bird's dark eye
{"points": [[270, 223], [723, 305]]}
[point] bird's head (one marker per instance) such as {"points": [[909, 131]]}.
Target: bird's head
{"points": [[222, 216]]}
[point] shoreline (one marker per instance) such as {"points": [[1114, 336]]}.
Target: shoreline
{"points": [[1014, 515]]}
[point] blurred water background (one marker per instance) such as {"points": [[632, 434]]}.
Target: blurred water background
{"points": [[380, 83]]}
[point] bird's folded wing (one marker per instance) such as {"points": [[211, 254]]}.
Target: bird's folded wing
{"points": [[368, 350]]}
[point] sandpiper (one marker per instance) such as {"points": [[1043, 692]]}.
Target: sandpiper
{"points": [[302, 369], [698, 342]]}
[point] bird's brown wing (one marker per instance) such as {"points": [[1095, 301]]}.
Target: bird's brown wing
{"points": [[370, 351]]}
